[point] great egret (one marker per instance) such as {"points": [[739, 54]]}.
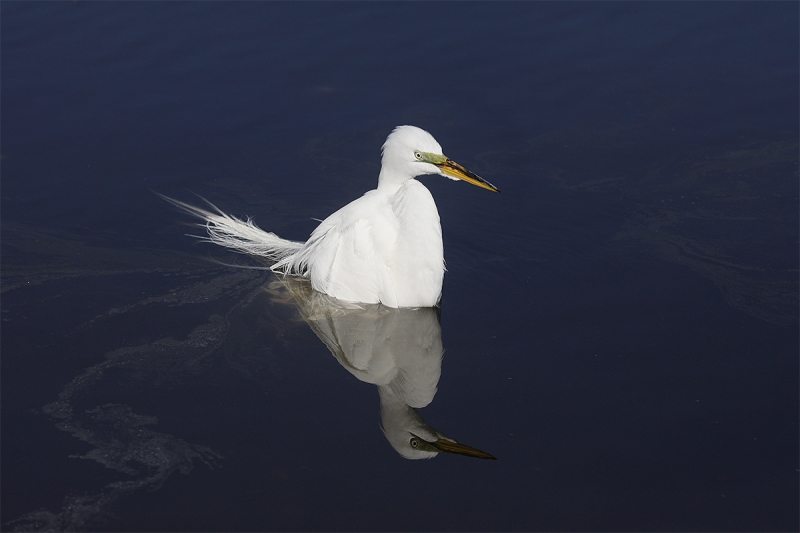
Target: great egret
{"points": [[385, 247]]}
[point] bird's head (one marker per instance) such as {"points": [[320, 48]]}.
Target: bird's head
{"points": [[411, 437], [437, 444], [410, 151]]}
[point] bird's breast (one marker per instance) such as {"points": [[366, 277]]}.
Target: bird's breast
{"points": [[383, 247], [417, 268]]}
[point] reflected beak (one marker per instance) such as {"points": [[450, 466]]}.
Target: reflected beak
{"points": [[450, 446], [453, 169]]}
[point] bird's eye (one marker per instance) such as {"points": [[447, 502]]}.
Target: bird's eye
{"points": [[414, 443], [418, 155]]}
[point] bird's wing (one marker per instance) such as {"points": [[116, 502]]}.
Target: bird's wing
{"points": [[350, 252]]}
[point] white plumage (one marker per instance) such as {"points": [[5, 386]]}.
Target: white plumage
{"points": [[385, 247]]}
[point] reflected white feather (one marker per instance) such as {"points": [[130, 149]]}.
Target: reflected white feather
{"points": [[399, 350]]}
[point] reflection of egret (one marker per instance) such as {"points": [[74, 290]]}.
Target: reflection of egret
{"points": [[399, 350], [383, 247]]}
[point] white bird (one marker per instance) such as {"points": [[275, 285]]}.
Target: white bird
{"points": [[385, 247]]}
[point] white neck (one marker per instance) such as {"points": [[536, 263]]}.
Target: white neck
{"points": [[389, 182]]}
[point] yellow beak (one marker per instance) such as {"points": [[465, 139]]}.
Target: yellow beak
{"points": [[453, 169], [450, 446]]}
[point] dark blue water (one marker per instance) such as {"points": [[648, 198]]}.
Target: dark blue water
{"points": [[620, 324]]}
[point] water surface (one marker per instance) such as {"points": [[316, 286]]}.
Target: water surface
{"points": [[619, 327]]}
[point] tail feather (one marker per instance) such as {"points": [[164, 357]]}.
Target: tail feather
{"points": [[241, 236]]}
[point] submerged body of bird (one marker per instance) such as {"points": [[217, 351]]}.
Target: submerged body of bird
{"points": [[385, 247]]}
